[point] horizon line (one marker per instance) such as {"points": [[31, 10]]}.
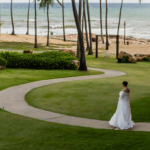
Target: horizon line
{"points": [[90, 2]]}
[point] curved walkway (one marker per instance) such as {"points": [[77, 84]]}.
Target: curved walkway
{"points": [[13, 100]]}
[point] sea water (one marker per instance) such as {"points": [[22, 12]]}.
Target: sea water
{"points": [[137, 17]]}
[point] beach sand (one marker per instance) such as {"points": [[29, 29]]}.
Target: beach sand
{"points": [[136, 46]]}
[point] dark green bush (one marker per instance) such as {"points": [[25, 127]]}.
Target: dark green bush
{"points": [[3, 62], [146, 59], [46, 60], [125, 59]]}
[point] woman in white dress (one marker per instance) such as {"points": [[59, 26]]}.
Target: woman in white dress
{"points": [[122, 118]]}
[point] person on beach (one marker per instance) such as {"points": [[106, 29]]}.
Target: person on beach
{"points": [[122, 118]]}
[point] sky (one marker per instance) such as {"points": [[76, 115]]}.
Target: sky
{"points": [[91, 1]]}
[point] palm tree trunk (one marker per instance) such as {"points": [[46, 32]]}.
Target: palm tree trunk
{"points": [[35, 46], [82, 23], [106, 26], [28, 19], [101, 21], [87, 39], [12, 21], [63, 20], [90, 34], [48, 24], [118, 30], [78, 44], [83, 66], [120, 17]]}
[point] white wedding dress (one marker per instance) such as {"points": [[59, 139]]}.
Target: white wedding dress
{"points": [[122, 118]]}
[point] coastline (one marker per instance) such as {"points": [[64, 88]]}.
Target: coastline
{"points": [[136, 46]]}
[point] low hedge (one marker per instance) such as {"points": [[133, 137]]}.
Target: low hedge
{"points": [[46, 60], [3, 62]]}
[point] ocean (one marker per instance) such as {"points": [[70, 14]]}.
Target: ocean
{"points": [[137, 17]]}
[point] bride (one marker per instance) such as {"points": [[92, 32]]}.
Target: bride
{"points": [[122, 118]]}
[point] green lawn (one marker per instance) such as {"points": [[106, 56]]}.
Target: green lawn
{"points": [[97, 99], [12, 77], [22, 133], [30, 46]]}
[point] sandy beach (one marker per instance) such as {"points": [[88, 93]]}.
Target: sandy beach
{"points": [[136, 46]]}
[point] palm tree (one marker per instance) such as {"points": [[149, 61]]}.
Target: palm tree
{"points": [[101, 23], [87, 39], [28, 19], [63, 20], [90, 34], [118, 30], [83, 66], [78, 44], [12, 21], [47, 44], [35, 24], [120, 18], [106, 25], [43, 4]]}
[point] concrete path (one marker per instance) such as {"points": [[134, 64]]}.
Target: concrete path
{"points": [[13, 100]]}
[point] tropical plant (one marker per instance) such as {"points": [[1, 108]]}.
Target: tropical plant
{"points": [[63, 16], [87, 39], [83, 66], [43, 4], [101, 23], [12, 21], [106, 25], [28, 19], [90, 33]]}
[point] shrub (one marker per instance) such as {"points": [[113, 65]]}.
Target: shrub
{"points": [[46, 60], [125, 59], [3, 62], [146, 59]]}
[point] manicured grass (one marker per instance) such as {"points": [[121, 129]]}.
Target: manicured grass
{"points": [[22, 133], [98, 98], [12, 77], [29, 46]]}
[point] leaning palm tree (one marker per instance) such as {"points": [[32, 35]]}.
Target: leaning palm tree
{"points": [[12, 21], [90, 34], [106, 25], [101, 22], [87, 39], [118, 30], [83, 66], [63, 16], [28, 19], [120, 18]]}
